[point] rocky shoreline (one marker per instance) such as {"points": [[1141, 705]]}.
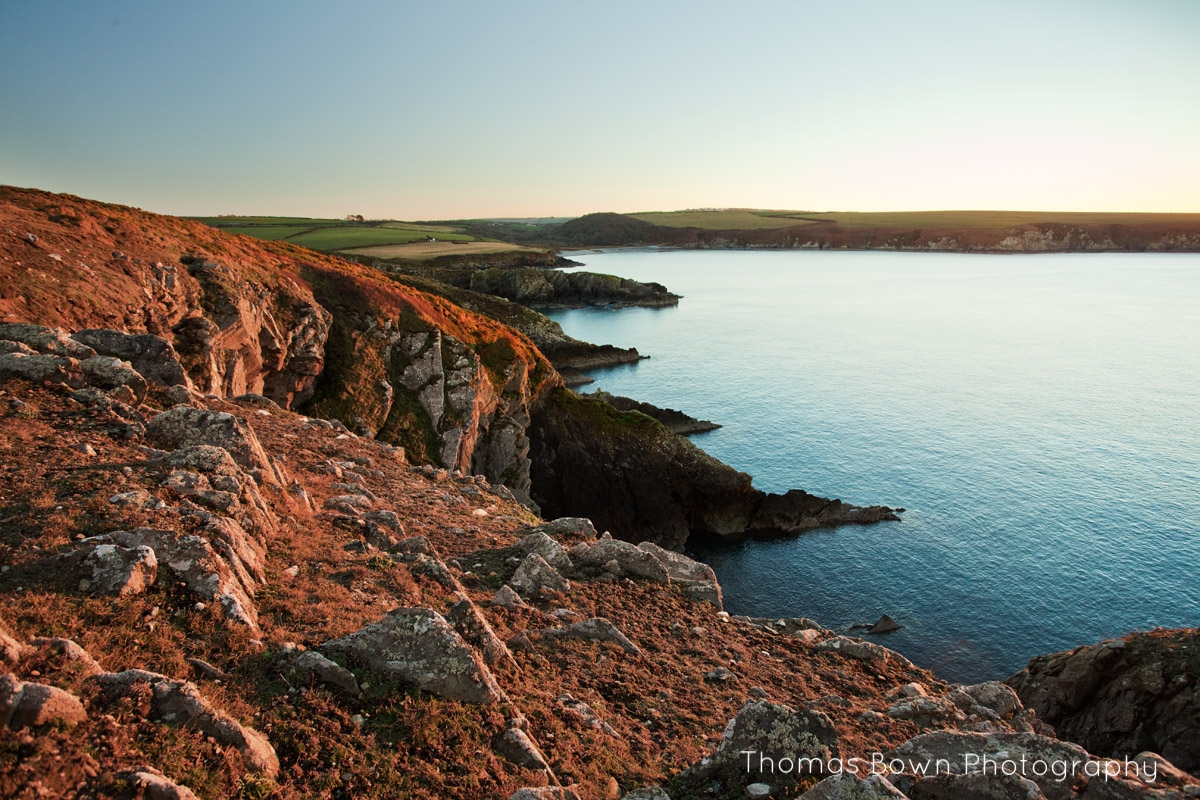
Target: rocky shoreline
{"points": [[269, 527]]}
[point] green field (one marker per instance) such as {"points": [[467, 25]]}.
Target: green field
{"points": [[270, 233], [243, 222], [359, 236], [750, 219]]}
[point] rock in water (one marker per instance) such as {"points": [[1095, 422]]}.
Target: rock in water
{"points": [[885, 624]]}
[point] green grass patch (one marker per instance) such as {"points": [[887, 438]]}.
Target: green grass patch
{"points": [[342, 238], [241, 222], [270, 233]]}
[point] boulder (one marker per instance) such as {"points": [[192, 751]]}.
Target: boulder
{"points": [[153, 786], [845, 786], [862, 650], [11, 650], [597, 629], [630, 558], [582, 713], [108, 373], [535, 576], [180, 703], [544, 793], [963, 752], [152, 356], [477, 631], [767, 743], [322, 669], [550, 550], [184, 426], [516, 746], [884, 624], [27, 704], [928, 712], [505, 597], [39, 368], [121, 571], [51, 341], [647, 793], [698, 578], [977, 786], [420, 648]]}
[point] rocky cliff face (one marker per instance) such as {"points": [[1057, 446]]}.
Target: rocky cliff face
{"points": [[554, 288], [1122, 696], [634, 477], [305, 330]]}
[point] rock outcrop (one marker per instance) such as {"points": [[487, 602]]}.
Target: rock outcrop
{"points": [[632, 476], [1123, 696], [419, 647]]}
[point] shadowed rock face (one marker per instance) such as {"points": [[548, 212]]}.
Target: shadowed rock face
{"points": [[632, 476], [1120, 697]]}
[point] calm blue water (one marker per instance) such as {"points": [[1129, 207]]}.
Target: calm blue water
{"points": [[1038, 416]]}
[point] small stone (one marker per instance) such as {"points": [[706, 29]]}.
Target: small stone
{"points": [[758, 790]]}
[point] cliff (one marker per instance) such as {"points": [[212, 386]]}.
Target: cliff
{"points": [[212, 595], [306, 330], [1122, 696], [633, 476]]}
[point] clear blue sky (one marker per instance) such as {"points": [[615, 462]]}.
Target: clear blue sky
{"points": [[441, 110]]}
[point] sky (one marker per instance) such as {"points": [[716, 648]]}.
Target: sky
{"points": [[453, 110]]}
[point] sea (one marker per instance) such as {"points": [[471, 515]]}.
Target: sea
{"points": [[1038, 417]]}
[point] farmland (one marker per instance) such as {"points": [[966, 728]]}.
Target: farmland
{"points": [[754, 219]]}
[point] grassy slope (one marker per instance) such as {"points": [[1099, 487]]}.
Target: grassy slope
{"points": [[754, 219]]}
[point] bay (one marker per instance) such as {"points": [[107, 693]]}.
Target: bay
{"points": [[1037, 416]]}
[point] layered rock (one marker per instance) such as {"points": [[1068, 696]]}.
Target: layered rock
{"points": [[634, 477], [1119, 697]]}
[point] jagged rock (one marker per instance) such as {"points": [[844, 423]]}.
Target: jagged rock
{"points": [[596, 629], [776, 737], [28, 704], [137, 497], [419, 647], [16, 347], [582, 713], [884, 624], [180, 702], [516, 746], [153, 786], [544, 793], [913, 689], [108, 373], [569, 526], [122, 571], [312, 663], [995, 696], [647, 793], [845, 786], [51, 341], [797, 510], [222, 568], [505, 597], [152, 356], [477, 631], [11, 650], [954, 751], [862, 650], [699, 580], [184, 426], [1120, 697], [71, 652], [719, 675], [550, 550], [976, 786], [413, 545], [928, 712], [630, 558], [38, 368], [535, 575]]}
